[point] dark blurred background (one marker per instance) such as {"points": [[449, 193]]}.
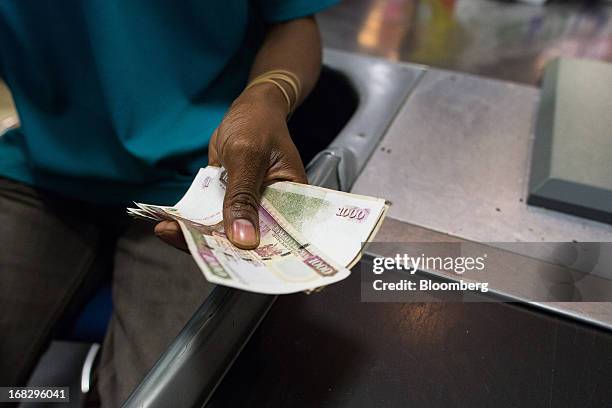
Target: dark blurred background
{"points": [[508, 40]]}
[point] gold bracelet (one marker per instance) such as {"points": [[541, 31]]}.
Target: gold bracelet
{"points": [[288, 77], [272, 81], [281, 75]]}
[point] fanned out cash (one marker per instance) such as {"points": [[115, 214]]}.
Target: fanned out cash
{"points": [[309, 236]]}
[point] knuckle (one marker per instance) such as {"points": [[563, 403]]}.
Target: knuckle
{"points": [[241, 200], [244, 145]]}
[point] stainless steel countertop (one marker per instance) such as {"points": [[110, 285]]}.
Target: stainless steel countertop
{"points": [[455, 162]]}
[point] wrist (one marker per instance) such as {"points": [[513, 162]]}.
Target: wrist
{"points": [[268, 95]]}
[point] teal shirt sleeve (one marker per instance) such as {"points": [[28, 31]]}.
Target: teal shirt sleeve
{"points": [[274, 11]]}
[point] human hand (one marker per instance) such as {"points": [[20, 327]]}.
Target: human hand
{"points": [[253, 144]]}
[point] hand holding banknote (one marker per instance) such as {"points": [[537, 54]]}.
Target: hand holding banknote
{"points": [[309, 236], [253, 144]]}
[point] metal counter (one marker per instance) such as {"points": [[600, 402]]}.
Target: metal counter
{"points": [[455, 165]]}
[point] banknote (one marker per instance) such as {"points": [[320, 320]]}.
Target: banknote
{"points": [[336, 221], [309, 236]]}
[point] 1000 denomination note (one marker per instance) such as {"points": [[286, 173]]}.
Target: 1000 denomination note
{"points": [[282, 263], [295, 222], [336, 221]]}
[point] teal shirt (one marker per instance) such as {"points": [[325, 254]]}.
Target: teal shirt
{"points": [[118, 98]]}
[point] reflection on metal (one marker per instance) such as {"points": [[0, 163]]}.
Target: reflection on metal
{"points": [[382, 87], [62, 364], [87, 366], [324, 170], [190, 369]]}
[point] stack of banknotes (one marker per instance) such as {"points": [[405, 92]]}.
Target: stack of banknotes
{"points": [[309, 236]]}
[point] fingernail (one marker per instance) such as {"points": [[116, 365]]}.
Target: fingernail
{"points": [[243, 232]]}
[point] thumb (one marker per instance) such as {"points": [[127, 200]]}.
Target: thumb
{"points": [[241, 203]]}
